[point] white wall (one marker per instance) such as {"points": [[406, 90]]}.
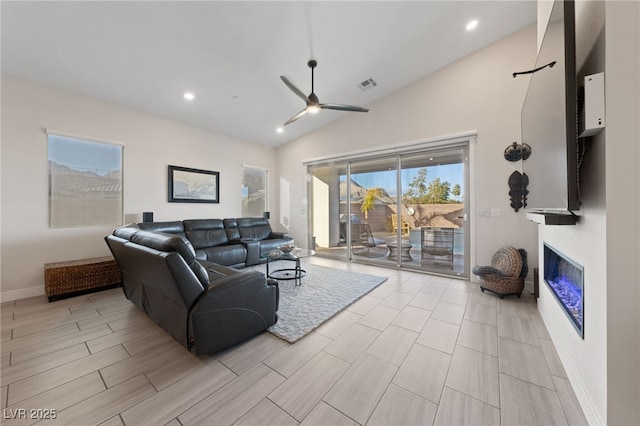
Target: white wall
{"points": [[475, 93], [151, 144], [622, 81], [604, 367]]}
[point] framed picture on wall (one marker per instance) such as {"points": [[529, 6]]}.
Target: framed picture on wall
{"points": [[188, 185]]}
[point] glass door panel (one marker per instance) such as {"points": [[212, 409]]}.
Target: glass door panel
{"points": [[373, 198], [433, 210], [328, 209]]}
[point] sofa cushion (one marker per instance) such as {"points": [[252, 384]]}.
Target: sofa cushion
{"points": [[126, 232], [172, 243], [165, 242], [172, 227], [204, 233], [228, 255], [257, 228], [273, 244], [231, 226]]}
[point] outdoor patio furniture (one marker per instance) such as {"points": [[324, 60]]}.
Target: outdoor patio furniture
{"points": [[362, 239], [405, 250], [404, 225], [437, 246]]}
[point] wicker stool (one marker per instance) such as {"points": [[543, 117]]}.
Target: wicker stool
{"points": [[506, 274]]}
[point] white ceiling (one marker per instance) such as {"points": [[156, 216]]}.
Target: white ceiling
{"points": [[145, 55]]}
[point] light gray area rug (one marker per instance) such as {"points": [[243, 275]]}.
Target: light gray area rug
{"points": [[324, 292]]}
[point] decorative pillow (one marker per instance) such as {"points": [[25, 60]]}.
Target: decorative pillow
{"points": [[486, 270]]}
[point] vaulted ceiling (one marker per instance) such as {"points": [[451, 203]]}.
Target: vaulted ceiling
{"points": [[145, 55]]}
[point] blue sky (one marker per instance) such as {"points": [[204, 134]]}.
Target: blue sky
{"points": [[100, 158], [386, 179]]}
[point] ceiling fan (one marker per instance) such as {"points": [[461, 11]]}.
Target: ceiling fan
{"points": [[313, 104]]}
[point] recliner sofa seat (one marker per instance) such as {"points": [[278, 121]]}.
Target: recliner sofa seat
{"points": [[205, 306]]}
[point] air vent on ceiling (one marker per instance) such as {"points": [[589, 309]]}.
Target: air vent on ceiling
{"points": [[367, 84]]}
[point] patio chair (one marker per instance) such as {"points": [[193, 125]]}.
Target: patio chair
{"points": [[437, 246], [362, 239], [404, 225]]}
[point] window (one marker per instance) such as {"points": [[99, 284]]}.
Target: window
{"points": [[85, 182], [255, 191]]}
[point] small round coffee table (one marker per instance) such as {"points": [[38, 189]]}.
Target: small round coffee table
{"points": [[405, 247], [296, 273]]}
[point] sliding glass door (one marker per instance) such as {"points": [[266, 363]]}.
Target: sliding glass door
{"points": [[400, 210]]}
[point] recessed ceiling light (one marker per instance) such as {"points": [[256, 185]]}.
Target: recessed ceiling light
{"points": [[189, 96], [471, 25], [279, 130]]}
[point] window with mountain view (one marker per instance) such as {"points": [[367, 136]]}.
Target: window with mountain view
{"points": [[85, 182]]}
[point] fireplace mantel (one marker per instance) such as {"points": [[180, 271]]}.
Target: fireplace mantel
{"points": [[546, 218]]}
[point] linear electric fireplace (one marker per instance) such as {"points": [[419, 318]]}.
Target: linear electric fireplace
{"points": [[565, 278]]}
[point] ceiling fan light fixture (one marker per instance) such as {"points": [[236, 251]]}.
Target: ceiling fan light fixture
{"points": [[313, 104]]}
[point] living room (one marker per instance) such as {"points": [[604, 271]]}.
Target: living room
{"points": [[476, 95]]}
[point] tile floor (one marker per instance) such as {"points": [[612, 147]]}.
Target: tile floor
{"points": [[418, 350]]}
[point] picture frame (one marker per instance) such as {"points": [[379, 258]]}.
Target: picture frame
{"points": [[187, 185]]}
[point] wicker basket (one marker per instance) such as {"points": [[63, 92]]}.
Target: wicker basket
{"points": [[79, 276]]}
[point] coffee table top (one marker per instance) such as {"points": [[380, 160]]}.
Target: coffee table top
{"points": [[296, 253]]}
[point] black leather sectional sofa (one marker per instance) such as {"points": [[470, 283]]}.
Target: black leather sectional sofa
{"points": [[230, 242], [179, 274]]}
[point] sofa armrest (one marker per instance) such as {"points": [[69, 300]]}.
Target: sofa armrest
{"points": [[275, 234], [274, 283], [232, 309], [485, 271], [233, 290]]}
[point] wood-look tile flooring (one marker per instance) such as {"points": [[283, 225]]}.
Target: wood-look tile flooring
{"points": [[418, 350]]}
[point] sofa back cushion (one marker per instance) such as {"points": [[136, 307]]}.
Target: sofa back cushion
{"points": [[172, 227], [231, 226], [204, 233], [257, 228], [173, 243]]}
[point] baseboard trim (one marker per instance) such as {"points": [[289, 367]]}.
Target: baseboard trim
{"points": [[23, 293], [587, 405], [589, 408]]}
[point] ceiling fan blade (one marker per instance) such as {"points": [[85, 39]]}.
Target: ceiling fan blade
{"points": [[341, 107], [295, 117], [294, 89]]}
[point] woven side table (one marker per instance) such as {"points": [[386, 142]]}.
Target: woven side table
{"points": [[74, 277]]}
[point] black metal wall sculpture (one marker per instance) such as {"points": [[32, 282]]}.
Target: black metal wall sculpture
{"points": [[517, 152], [518, 183]]}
